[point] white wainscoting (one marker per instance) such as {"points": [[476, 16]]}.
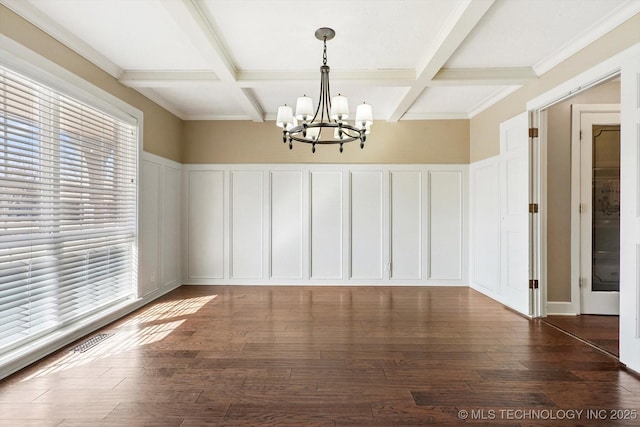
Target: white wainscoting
{"points": [[485, 225], [160, 226], [325, 224]]}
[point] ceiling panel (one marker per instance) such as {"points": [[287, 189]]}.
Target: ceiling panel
{"points": [[452, 99], [370, 34], [206, 100], [135, 35], [520, 33]]}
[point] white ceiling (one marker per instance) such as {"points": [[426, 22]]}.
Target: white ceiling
{"points": [[241, 59]]}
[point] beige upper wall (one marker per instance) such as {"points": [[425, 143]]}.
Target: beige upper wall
{"points": [[420, 141], [162, 130], [484, 130]]}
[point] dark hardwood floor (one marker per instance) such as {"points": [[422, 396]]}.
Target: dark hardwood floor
{"points": [[324, 356], [601, 331]]}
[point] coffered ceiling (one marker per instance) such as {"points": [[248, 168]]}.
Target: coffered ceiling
{"points": [[241, 59]]}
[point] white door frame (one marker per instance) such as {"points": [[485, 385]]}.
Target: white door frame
{"points": [[576, 113], [583, 81]]}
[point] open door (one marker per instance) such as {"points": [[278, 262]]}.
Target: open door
{"points": [[515, 239], [600, 212], [630, 214]]}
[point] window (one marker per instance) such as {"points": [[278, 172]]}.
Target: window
{"points": [[67, 209]]}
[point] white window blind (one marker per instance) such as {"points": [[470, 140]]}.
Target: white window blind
{"points": [[67, 209]]}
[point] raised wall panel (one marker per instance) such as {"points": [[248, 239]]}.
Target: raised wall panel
{"points": [[206, 225], [246, 235], [170, 268], [149, 227], [406, 225], [485, 204], [286, 224], [445, 225], [366, 225], [515, 225], [326, 225]]}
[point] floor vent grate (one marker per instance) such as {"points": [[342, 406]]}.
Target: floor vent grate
{"points": [[90, 343]]}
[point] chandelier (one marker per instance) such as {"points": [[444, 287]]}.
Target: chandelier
{"points": [[328, 125]]}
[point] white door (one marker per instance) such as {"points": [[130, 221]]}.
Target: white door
{"points": [[600, 213], [630, 215], [514, 182]]}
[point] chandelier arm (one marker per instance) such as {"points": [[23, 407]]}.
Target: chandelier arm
{"points": [[328, 97], [326, 101], [320, 100]]}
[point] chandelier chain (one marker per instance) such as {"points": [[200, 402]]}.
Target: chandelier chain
{"points": [[324, 52]]}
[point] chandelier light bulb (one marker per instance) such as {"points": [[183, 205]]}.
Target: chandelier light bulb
{"points": [[313, 133], [304, 108], [339, 108], [284, 117], [364, 115]]}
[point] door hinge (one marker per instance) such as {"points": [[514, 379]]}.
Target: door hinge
{"points": [[533, 208], [533, 132], [580, 135], [533, 283]]}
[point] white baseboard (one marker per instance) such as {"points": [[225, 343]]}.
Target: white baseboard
{"points": [[561, 309]]}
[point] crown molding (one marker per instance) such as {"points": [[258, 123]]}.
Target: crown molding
{"points": [[492, 99], [155, 97], [222, 117]]}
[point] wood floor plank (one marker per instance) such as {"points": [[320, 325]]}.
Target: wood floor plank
{"points": [[302, 413], [318, 356], [504, 399]]}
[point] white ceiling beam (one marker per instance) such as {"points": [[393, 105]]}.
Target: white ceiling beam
{"points": [[482, 76], [389, 78], [200, 31], [385, 78], [458, 27]]}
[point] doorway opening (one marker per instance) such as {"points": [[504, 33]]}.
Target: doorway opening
{"points": [[583, 220]]}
